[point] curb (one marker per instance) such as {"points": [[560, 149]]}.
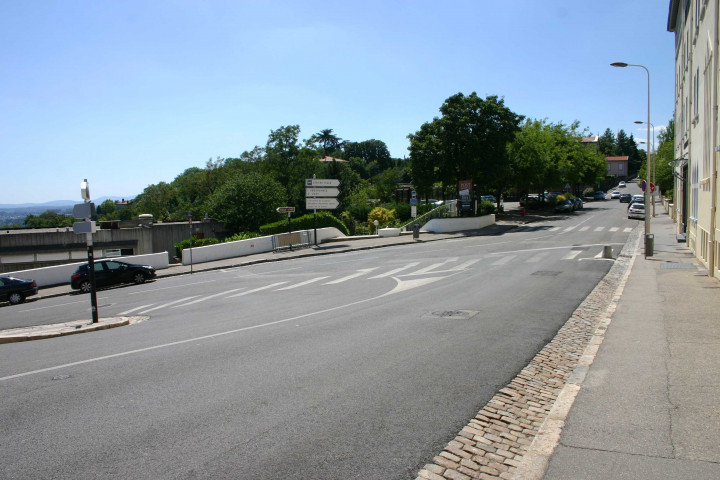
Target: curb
{"points": [[24, 334]]}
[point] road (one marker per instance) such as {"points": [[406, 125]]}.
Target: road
{"points": [[354, 365]]}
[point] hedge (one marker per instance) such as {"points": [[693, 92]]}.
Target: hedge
{"points": [[306, 222]]}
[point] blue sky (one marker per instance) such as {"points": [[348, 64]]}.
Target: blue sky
{"points": [[132, 93]]}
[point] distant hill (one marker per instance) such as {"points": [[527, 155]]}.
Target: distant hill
{"points": [[16, 213], [57, 203]]}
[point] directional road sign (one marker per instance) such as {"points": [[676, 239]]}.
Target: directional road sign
{"points": [[322, 192], [321, 203], [285, 209], [322, 182]]}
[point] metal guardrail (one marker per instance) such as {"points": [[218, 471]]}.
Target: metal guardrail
{"points": [[290, 240], [442, 211]]}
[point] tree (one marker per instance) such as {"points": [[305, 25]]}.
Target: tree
{"points": [[664, 155], [329, 142], [288, 162], [107, 210], [246, 202], [159, 200], [48, 219], [370, 151], [606, 143]]}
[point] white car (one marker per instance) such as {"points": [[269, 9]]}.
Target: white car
{"points": [[615, 194], [621, 185], [637, 210]]}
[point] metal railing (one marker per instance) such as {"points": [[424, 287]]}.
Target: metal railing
{"points": [[443, 211]]}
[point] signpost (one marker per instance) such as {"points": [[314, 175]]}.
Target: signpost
{"points": [[413, 204], [87, 210], [289, 211], [321, 194]]}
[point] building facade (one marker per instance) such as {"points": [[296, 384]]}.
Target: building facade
{"points": [[618, 166], [695, 24]]}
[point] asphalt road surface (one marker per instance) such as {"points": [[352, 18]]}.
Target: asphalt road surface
{"points": [[354, 365]]}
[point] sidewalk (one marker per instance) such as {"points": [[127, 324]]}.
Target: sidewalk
{"points": [[649, 406]]}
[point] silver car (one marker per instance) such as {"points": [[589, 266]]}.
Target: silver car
{"points": [[637, 210]]}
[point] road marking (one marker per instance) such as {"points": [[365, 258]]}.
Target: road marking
{"points": [[257, 289], [432, 267], [538, 257], [570, 228], [585, 229], [168, 288], [504, 260], [554, 229], [614, 229], [572, 255], [55, 306], [628, 230], [135, 309], [359, 273], [207, 298], [302, 284], [168, 304], [464, 266], [397, 270], [599, 229]]}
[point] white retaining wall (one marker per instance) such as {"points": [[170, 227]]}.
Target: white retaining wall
{"points": [[59, 274], [250, 246]]}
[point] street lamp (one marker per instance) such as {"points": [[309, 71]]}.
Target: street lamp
{"points": [[647, 181], [651, 148]]}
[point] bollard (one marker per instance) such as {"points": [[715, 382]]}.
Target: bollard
{"points": [[649, 244], [607, 252], [416, 231]]}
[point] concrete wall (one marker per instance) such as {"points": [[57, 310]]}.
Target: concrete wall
{"points": [[241, 248], [447, 225], [60, 274]]}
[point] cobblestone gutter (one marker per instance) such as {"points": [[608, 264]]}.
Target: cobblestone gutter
{"points": [[513, 436]]}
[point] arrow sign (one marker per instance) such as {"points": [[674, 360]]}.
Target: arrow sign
{"points": [[321, 192], [321, 203], [285, 209], [322, 182]]}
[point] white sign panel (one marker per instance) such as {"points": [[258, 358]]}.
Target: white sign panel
{"points": [[322, 182], [321, 203], [322, 192]]}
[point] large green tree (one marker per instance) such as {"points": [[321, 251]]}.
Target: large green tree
{"points": [[288, 162], [246, 202], [328, 141]]}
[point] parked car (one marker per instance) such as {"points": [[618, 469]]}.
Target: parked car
{"points": [[15, 290], [111, 272], [599, 195], [636, 199], [621, 185], [578, 203], [625, 198], [637, 210], [564, 206], [615, 194], [532, 200]]}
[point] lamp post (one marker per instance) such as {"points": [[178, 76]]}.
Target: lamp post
{"points": [[647, 173], [651, 148]]}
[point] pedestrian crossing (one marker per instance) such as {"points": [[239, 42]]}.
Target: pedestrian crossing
{"points": [[411, 273]]}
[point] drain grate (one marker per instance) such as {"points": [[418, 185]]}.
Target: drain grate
{"points": [[451, 315], [676, 265], [546, 273]]}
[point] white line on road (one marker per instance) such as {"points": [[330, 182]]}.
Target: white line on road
{"points": [[302, 284], [359, 273], [397, 270], [628, 230], [504, 260], [168, 304], [135, 309], [614, 229], [572, 255], [538, 257], [599, 229], [585, 229], [207, 298], [257, 289], [59, 305], [168, 288]]}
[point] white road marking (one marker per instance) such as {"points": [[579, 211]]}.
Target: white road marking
{"points": [[432, 267], [599, 229], [614, 229], [464, 266], [538, 257], [135, 309], [397, 270], [628, 230], [168, 304], [359, 273], [572, 255], [504, 260], [168, 288], [257, 289], [207, 298], [302, 284], [585, 229], [570, 228]]}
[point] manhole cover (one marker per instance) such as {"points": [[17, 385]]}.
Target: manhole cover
{"points": [[676, 265], [451, 315]]}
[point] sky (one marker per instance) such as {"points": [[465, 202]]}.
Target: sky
{"points": [[132, 93]]}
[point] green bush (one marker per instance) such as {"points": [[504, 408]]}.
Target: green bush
{"points": [[382, 215], [241, 236], [487, 207], [306, 222], [196, 242]]}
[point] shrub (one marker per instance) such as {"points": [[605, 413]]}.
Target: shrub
{"points": [[306, 222], [241, 236], [196, 242], [382, 215], [486, 207]]}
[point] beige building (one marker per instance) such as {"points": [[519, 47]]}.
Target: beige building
{"points": [[618, 166], [697, 136]]}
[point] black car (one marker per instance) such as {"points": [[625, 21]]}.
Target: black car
{"points": [[599, 195], [15, 290], [625, 198], [111, 272]]}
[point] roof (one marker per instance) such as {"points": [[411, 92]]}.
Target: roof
{"points": [[327, 159], [593, 139], [617, 159]]}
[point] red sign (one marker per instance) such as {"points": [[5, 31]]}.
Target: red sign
{"points": [[652, 188]]}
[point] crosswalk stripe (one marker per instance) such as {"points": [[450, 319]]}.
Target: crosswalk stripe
{"points": [[359, 273], [434, 266], [570, 228], [504, 260], [257, 289], [207, 298], [537, 258], [135, 309], [302, 284], [397, 270], [584, 229], [628, 229], [572, 254], [168, 304], [464, 266], [599, 229], [614, 229], [554, 229]]}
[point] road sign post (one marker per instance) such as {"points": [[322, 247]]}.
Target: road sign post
{"points": [[88, 227], [321, 194]]}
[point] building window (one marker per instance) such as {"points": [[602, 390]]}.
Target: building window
{"points": [[620, 165]]}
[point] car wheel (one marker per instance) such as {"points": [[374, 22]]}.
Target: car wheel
{"points": [[86, 286], [16, 298], [139, 278]]}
